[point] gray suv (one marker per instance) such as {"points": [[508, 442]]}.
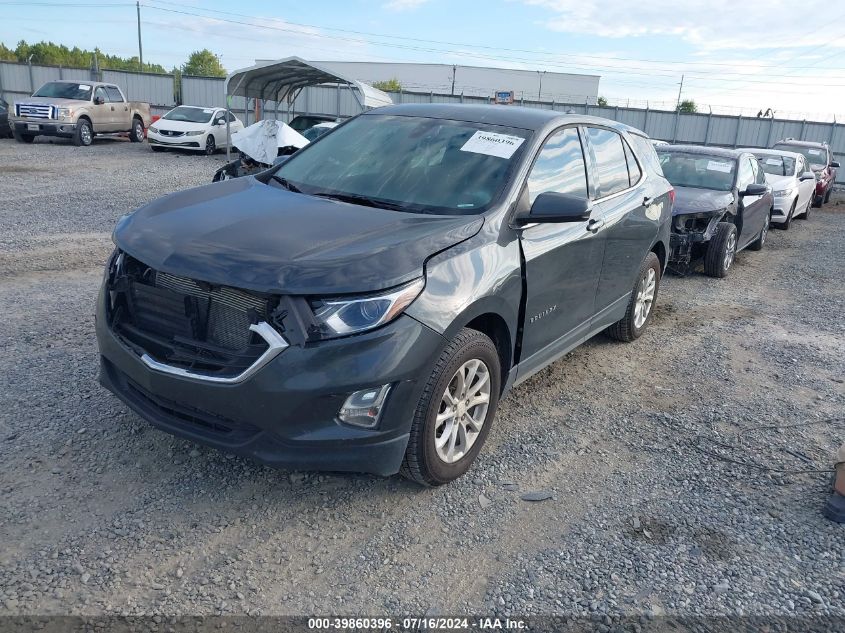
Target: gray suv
{"points": [[364, 305]]}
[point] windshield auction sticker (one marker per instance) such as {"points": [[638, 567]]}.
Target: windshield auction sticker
{"points": [[714, 165], [493, 144]]}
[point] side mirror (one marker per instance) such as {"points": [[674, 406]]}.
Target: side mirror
{"points": [[755, 189], [807, 175], [834, 164], [99, 100], [552, 206], [221, 121]]}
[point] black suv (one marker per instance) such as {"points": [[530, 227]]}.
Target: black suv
{"points": [[364, 305]]}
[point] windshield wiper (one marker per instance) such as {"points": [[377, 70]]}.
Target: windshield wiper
{"points": [[286, 184], [362, 200]]}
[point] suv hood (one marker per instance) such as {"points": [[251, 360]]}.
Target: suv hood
{"points": [[692, 200], [249, 235]]}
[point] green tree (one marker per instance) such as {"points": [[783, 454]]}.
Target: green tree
{"points": [[53, 54], [391, 85], [602, 102], [203, 63], [688, 106]]}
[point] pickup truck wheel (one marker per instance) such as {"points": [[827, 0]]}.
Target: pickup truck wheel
{"points": [[210, 146], [137, 133], [23, 138], [641, 303], [84, 134], [455, 411], [721, 250], [760, 242]]}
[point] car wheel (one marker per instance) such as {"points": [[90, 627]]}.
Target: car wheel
{"points": [[760, 242], [786, 223], [721, 250], [641, 303], [23, 138], [210, 147], [455, 411], [84, 133], [137, 133], [827, 194]]}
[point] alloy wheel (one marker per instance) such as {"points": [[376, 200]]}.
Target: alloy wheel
{"points": [[645, 298], [730, 250], [85, 134], [463, 409]]}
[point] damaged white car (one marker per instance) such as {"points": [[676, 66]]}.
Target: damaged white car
{"points": [[259, 146]]}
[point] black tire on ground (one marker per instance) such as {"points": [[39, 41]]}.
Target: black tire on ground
{"points": [[806, 214], [421, 463], [784, 226], [210, 146], [760, 242], [626, 329], [827, 194], [136, 135], [723, 243], [817, 201], [84, 135], [23, 138]]}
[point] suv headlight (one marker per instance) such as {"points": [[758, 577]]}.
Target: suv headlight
{"points": [[344, 316], [782, 193]]}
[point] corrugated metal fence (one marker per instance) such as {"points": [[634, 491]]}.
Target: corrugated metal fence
{"points": [[162, 92]]}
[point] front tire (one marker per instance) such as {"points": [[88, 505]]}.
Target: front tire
{"points": [[84, 135], [210, 146], [827, 194], [23, 138], [455, 411], [784, 226], [760, 242], [641, 303], [137, 133], [721, 250]]}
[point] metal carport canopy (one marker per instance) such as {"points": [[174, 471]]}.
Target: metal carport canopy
{"points": [[283, 79]]}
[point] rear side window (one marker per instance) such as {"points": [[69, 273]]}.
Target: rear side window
{"points": [[611, 166], [646, 152], [559, 166], [634, 171], [114, 94]]}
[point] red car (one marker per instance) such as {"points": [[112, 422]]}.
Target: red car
{"points": [[820, 159]]}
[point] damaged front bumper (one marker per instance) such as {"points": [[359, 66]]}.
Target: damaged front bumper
{"points": [[688, 232]]}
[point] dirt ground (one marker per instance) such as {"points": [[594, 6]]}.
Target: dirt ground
{"points": [[672, 462]]}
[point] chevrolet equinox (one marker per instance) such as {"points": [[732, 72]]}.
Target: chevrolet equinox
{"points": [[364, 305]]}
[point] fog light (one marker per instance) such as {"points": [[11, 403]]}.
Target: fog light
{"points": [[363, 408]]}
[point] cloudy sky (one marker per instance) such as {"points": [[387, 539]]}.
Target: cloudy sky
{"points": [[752, 55]]}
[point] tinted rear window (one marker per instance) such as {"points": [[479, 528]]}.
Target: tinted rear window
{"points": [[611, 166]]}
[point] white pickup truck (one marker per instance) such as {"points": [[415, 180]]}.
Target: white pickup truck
{"points": [[78, 110]]}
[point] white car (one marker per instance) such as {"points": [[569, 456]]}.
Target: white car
{"points": [[192, 128], [792, 181], [316, 131]]}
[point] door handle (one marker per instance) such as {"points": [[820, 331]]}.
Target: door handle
{"points": [[112, 108], [594, 225]]}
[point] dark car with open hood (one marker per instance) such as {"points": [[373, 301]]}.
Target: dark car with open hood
{"points": [[722, 205], [364, 305]]}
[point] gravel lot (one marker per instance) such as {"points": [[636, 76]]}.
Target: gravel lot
{"points": [[671, 463]]}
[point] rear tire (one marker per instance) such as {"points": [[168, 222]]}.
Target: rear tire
{"points": [[442, 412], [760, 242], [827, 195], [641, 303], [721, 251], [137, 133], [23, 138], [84, 135]]}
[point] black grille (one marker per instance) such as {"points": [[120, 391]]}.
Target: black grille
{"points": [[187, 323]]}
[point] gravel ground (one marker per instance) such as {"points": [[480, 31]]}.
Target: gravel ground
{"points": [[670, 466]]}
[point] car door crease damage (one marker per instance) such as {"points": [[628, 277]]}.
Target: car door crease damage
{"points": [[339, 310]]}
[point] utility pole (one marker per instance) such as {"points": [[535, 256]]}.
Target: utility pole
{"points": [[678, 105], [140, 49], [454, 70]]}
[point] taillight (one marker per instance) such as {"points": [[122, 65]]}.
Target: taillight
{"points": [[672, 196]]}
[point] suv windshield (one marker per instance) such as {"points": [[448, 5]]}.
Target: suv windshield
{"points": [[777, 165], [65, 90], [189, 115], [407, 163], [816, 156], [698, 170]]}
